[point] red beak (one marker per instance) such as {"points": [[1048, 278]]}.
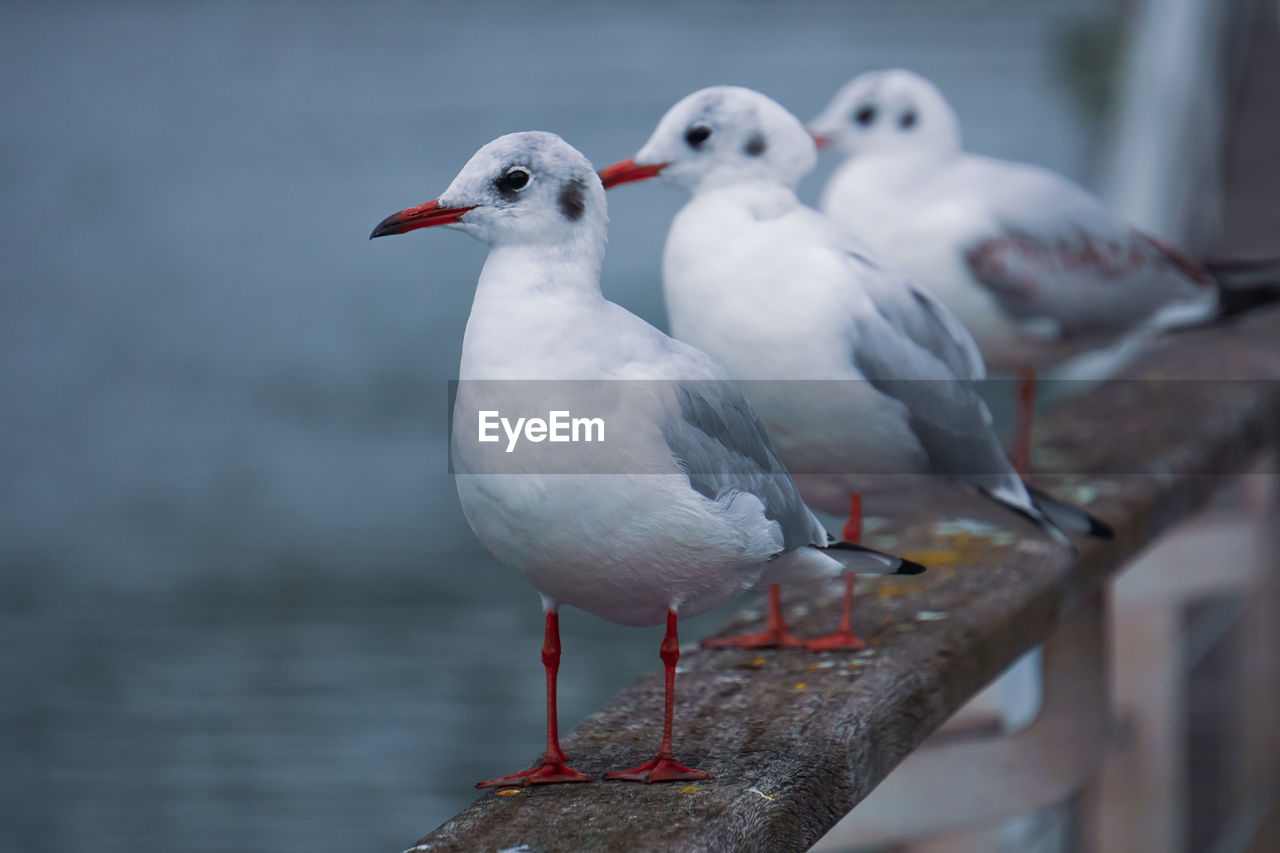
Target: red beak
{"points": [[820, 141], [628, 171], [422, 216]]}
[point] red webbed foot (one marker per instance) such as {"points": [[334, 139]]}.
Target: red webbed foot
{"points": [[768, 639], [776, 634], [549, 772], [840, 641], [664, 768]]}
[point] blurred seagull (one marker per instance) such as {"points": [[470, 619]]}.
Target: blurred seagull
{"points": [[705, 511], [1036, 268], [777, 291]]}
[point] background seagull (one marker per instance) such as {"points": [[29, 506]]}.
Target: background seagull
{"points": [[1035, 267], [777, 291], [689, 507]]}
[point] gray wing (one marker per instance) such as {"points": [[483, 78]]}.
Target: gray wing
{"points": [[1080, 285], [922, 318], [724, 448], [908, 351], [1054, 258]]}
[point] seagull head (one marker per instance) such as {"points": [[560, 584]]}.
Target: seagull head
{"points": [[721, 136], [530, 188], [888, 112]]}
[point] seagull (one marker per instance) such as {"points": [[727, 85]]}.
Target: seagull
{"points": [[689, 509], [777, 291], [1036, 268]]}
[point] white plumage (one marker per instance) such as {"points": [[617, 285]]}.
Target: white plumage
{"points": [[1036, 268], [777, 291], [682, 507]]}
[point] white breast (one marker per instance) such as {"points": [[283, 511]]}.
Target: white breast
{"points": [[619, 534], [766, 294]]}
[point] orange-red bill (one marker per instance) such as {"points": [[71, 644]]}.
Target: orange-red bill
{"points": [[422, 216], [820, 141], [627, 171]]}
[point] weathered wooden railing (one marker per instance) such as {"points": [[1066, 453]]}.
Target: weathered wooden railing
{"points": [[796, 740]]}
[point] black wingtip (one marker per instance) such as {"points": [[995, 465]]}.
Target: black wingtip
{"points": [[1100, 529], [1243, 271], [905, 566], [1234, 301], [910, 568], [1067, 516]]}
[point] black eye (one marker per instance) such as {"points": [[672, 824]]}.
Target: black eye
{"points": [[908, 120], [512, 182], [696, 135], [864, 115]]}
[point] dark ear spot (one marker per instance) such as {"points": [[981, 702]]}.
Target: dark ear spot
{"points": [[908, 120], [571, 201], [755, 145]]}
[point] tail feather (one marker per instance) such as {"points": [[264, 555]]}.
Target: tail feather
{"points": [[1057, 518], [1031, 513], [1236, 300], [864, 561], [1240, 272], [1068, 517], [1244, 284]]}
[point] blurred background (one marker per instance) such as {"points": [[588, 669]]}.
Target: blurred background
{"points": [[239, 605]]}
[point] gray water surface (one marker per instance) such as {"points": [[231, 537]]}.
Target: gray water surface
{"points": [[239, 606]]}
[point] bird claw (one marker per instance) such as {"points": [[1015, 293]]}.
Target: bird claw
{"points": [[547, 773], [840, 641], [769, 639], [660, 769]]}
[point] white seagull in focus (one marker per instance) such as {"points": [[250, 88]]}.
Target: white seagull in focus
{"points": [[777, 291], [692, 507], [1035, 267]]}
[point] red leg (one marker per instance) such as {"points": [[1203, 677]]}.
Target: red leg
{"points": [[852, 531], [664, 768], [776, 634], [1021, 452], [844, 640], [553, 767]]}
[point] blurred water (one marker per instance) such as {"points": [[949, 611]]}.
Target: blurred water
{"points": [[239, 607]]}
